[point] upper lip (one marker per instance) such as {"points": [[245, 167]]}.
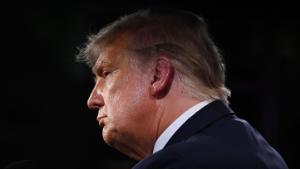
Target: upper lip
{"points": [[100, 119]]}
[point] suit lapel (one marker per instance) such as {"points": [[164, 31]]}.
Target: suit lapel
{"points": [[201, 120]]}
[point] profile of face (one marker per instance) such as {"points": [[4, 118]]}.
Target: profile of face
{"points": [[125, 106]]}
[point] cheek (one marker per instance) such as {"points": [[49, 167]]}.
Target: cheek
{"points": [[116, 95], [113, 89], [128, 100], [136, 104]]}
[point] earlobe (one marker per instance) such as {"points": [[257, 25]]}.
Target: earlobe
{"points": [[162, 77]]}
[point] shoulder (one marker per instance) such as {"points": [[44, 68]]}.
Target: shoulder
{"points": [[233, 143], [193, 154], [163, 159]]}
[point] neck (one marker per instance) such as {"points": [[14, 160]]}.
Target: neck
{"points": [[171, 109]]}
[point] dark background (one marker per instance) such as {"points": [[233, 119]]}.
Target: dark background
{"points": [[44, 118]]}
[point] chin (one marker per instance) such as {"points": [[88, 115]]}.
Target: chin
{"points": [[108, 136]]}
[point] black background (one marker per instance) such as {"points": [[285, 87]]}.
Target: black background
{"points": [[43, 114]]}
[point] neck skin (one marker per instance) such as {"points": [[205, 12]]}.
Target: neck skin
{"points": [[172, 106], [169, 110]]}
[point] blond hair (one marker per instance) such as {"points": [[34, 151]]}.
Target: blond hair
{"points": [[182, 35]]}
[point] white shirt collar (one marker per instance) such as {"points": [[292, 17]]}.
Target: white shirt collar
{"points": [[175, 125]]}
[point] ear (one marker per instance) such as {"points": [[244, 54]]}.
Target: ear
{"points": [[162, 76]]}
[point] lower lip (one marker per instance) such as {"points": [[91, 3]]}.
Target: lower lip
{"points": [[101, 122]]}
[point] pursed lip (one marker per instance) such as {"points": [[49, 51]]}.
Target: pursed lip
{"points": [[100, 119]]}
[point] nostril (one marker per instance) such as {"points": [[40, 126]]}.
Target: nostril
{"points": [[95, 103], [92, 105], [94, 109]]}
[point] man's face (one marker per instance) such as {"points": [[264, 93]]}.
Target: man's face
{"points": [[126, 110]]}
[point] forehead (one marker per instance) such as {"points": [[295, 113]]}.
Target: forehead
{"points": [[113, 53]]}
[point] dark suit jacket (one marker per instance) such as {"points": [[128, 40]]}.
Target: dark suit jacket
{"points": [[215, 138]]}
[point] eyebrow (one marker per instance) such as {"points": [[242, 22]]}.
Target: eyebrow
{"points": [[100, 65]]}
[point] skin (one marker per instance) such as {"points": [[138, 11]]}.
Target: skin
{"points": [[135, 106]]}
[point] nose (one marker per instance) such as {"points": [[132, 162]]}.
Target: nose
{"points": [[95, 100]]}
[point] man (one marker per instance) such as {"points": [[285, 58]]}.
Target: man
{"points": [[159, 88]]}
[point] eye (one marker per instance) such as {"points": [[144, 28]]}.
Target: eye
{"points": [[105, 73]]}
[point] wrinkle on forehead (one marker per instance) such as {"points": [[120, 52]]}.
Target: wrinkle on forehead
{"points": [[113, 53], [109, 51], [101, 60]]}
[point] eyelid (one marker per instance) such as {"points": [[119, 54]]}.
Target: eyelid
{"points": [[105, 73]]}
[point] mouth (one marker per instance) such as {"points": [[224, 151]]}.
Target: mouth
{"points": [[100, 119]]}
